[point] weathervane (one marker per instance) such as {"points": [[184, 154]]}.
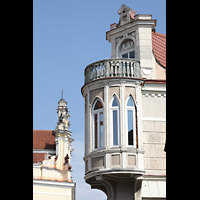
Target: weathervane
{"points": [[62, 94]]}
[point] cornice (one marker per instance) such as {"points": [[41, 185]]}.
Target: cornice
{"points": [[46, 182], [151, 22], [108, 81]]}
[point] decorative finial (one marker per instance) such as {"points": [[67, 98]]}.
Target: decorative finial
{"points": [[62, 94]]}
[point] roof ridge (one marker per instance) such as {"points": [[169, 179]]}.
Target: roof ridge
{"points": [[160, 34]]}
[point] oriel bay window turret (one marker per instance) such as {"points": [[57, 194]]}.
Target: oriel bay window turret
{"points": [[98, 125]]}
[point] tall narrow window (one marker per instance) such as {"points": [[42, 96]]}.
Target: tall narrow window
{"points": [[115, 127], [131, 130], [115, 121], [96, 130], [98, 127]]}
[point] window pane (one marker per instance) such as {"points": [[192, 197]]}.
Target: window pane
{"points": [[98, 105], [130, 101], [115, 128], [101, 130], [125, 56], [132, 54], [130, 127], [115, 103], [124, 18], [96, 129]]}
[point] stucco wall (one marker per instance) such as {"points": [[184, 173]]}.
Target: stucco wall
{"points": [[52, 190], [154, 133]]}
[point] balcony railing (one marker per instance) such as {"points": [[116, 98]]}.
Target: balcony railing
{"points": [[113, 67]]}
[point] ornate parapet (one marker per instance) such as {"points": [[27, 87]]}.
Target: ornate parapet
{"points": [[113, 67], [49, 171], [53, 174]]}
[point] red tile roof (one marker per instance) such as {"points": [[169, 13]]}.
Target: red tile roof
{"points": [[38, 157], [159, 47], [43, 139]]}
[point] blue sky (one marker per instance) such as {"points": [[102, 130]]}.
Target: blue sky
{"points": [[68, 36]]}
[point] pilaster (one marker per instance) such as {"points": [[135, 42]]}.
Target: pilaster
{"points": [[122, 114], [106, 114]]}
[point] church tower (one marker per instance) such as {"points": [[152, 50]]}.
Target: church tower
{"points": [[113, 92], [52, 174], [57, 167], [63, 138]]}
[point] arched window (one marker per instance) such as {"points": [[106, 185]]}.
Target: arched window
{"points": [[115, 121], [127, 49], [98, 129], [131, 125]]}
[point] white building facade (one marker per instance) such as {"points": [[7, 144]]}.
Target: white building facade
{"points": [[125, 113]]}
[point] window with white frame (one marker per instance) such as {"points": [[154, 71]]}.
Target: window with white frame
{"points": [[115, 122], [98, 127], [131, 125], [127, 49]]}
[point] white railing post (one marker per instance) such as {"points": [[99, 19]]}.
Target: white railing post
{"points": [[132, 67], [94, 72], [98, 74], [128, 69], [120, 68], [124, 69], [111, 69], [91, 74], [107, 67], [102, 74], [115, 64]]}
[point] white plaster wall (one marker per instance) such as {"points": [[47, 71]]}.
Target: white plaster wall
{"points": [[153, 106], [154, 133], [53, 190]]}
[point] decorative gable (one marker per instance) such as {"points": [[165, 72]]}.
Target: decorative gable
{"points": [[126, 14]]}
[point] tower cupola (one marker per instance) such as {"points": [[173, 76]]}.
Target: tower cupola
{"points": [[63, 115]]}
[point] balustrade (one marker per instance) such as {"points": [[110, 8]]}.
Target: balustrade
{"points": [[114, 67]]}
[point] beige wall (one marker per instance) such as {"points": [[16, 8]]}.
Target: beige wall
{"points": [[153, 105], [154, 133], [51, 190], [160, 72], [96, 93]]}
